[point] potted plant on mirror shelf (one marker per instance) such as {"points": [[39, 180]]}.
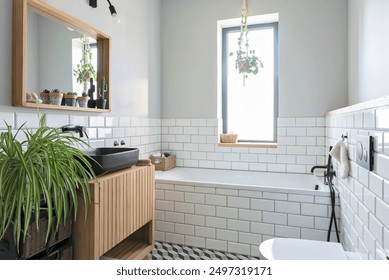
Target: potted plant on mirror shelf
{"points": [[56, 97], [246, 61], [101, 102], [41, 180], [85, 69], [83, 100], [45, 96], [91, 91], [70, 99]]}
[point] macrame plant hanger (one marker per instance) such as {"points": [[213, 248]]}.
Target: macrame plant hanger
{"points": [[244, 64]]}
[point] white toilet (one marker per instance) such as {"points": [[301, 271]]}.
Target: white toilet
{"points": [[300, 249]]}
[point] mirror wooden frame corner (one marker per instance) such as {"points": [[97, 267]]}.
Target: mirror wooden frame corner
{"points": [[19, 53]]}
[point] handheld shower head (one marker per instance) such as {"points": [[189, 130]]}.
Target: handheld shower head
{"points": [[329, 162]]}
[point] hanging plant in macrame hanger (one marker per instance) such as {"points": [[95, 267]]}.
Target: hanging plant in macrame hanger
{"points": [[246, 61]]}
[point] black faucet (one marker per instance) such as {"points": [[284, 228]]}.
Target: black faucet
{"points": [[78, 129], [325, 172], [318, 166], [329, 173]]}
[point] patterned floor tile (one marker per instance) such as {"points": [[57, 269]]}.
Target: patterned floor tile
{"points": [[168, 251]]}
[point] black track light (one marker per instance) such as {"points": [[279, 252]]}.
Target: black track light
{"points": [[114, 14], [93, 3]]}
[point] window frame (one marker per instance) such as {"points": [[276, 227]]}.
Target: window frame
{"points": [[225, 56]]}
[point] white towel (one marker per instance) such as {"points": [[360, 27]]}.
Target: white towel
{"points": [[340, 154]]}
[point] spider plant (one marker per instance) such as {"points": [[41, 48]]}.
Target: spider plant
{"points": [[43, 172]]}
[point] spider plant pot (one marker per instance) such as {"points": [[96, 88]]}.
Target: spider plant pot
{"points": [[35, 242], [70, 100], [42, 172], [101, 103], [83, 101], [45, 96], [56, 98]]}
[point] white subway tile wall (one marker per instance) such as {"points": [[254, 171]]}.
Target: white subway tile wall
{"points": [[143, 133], [6, 119], [301, 145], [238, 220], [30, 120], [364, 204]]}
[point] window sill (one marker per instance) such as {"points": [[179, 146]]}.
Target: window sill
{"points": [[248, 145]]}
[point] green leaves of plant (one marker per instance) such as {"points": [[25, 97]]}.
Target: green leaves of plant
{"points": [[44, 172]]}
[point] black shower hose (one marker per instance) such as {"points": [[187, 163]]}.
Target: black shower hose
{"points": [[333, 216]]}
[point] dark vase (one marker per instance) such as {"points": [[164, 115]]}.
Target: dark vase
{"points": [[71, 102], [101, 103], [92, 103]]}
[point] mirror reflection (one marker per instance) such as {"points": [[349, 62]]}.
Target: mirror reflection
{"points": [[58, 57]]}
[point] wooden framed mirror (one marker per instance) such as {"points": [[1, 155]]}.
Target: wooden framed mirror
{"points": [[46, 51]]}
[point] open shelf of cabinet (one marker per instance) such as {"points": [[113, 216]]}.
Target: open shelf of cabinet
{"points": [[134, 247]]}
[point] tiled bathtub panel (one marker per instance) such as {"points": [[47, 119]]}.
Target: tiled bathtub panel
{"points": [[240, 218], [364, 211]]}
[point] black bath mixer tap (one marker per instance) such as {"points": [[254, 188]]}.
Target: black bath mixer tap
{"points": [[318, 166], [329, 173], [78, 129]]}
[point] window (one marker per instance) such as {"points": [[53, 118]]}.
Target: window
{"points": [[251, 111]]}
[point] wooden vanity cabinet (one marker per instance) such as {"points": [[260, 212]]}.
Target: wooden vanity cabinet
{"points": [[120, 221]]}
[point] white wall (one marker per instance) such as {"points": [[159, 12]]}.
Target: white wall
{"points": [[368, 50], [55, 56], [135, 53], [313, 55], [32, 53], [49, 54]]}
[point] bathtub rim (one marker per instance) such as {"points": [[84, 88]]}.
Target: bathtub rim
{"points": [[323, 191]]}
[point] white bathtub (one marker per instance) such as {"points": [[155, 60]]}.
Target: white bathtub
{"points": [[276, 182], [234, 211]]}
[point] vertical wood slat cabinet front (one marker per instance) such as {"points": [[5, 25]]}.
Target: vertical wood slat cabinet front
{"points": [[124, 202]]}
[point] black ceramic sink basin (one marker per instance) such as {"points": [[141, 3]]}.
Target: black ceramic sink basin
{"points": [[112, 159]]}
